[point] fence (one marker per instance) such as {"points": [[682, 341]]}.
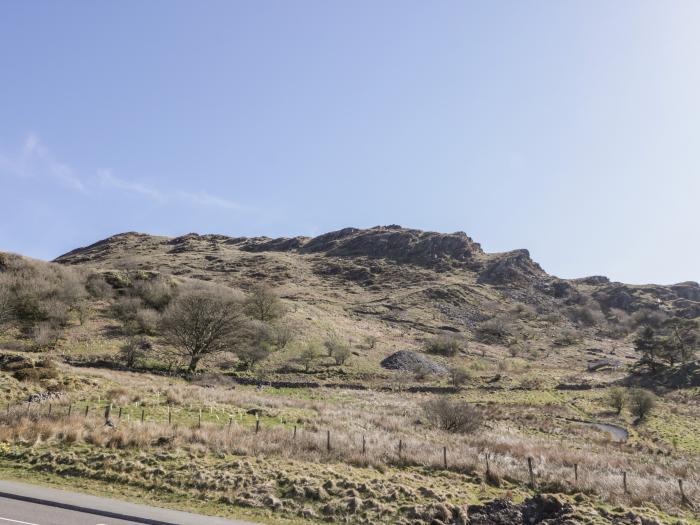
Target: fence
{"points": [[354, 449]]}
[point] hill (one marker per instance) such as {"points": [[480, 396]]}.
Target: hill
{"points": [[413, 281], [406, 377]]}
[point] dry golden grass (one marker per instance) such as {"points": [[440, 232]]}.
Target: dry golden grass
{"points": [[383, 419]]}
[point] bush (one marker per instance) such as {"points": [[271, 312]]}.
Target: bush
{"points": [[126, 307], [452, 416], [308, 355], [422, 372], [642, 403], [567, 337], [446, 344], [647, 317], [33, 292], [338, 349], [97, 287], [251, 355], [263, 304], [459, 375], [284, 333], [587, 315], [147, 320], [617, 398], [155, 293], [495, 330], [134, 350], [371, 341], [45, 335]]}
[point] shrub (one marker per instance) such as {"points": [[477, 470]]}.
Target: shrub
{"points": [[648, 317], [125, 308], [263, 304], [308, 355], [567, 337], [446, 344], [495, 330], [284, 333], [155, 293], [147, 320], [586, 315], [459, 375], [370, 341], [642, 403], [97, 287], [134, 350], [45, 335], [452, 416], [617, 397], [422, 372], [251, 355], [338, 349]]}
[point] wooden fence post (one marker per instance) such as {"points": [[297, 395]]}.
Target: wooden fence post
{"points": [[108, 412], [400, 447], [328, 440], [170, 415], [444, 457], [488, 466], [576, 472], [364, 445], [199, 421], [624, 482], [532, 474], [294, 436], [87, 409], [257, 425], [143, 414], [70, 408], [50, 407]]}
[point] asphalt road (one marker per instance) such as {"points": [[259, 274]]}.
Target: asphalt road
{"points": [[23, 504]]}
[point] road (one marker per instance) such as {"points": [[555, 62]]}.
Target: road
{"points": [[23, 504]]}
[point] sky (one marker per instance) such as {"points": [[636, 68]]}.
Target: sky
{"points": [[568, 128]]}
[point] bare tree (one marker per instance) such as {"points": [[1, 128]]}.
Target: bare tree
{"points": [[201, 322], [263, 304]]}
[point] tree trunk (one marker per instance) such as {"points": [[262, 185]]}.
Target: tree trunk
{"points": [[194, 361]]}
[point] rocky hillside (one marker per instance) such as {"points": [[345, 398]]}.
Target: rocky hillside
{"points": [[408, 280]]}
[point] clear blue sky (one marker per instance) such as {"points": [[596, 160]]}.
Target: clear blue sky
{"points": [[568, 128]]}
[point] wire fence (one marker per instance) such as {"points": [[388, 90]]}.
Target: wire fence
{"points": [[237, 429]]}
